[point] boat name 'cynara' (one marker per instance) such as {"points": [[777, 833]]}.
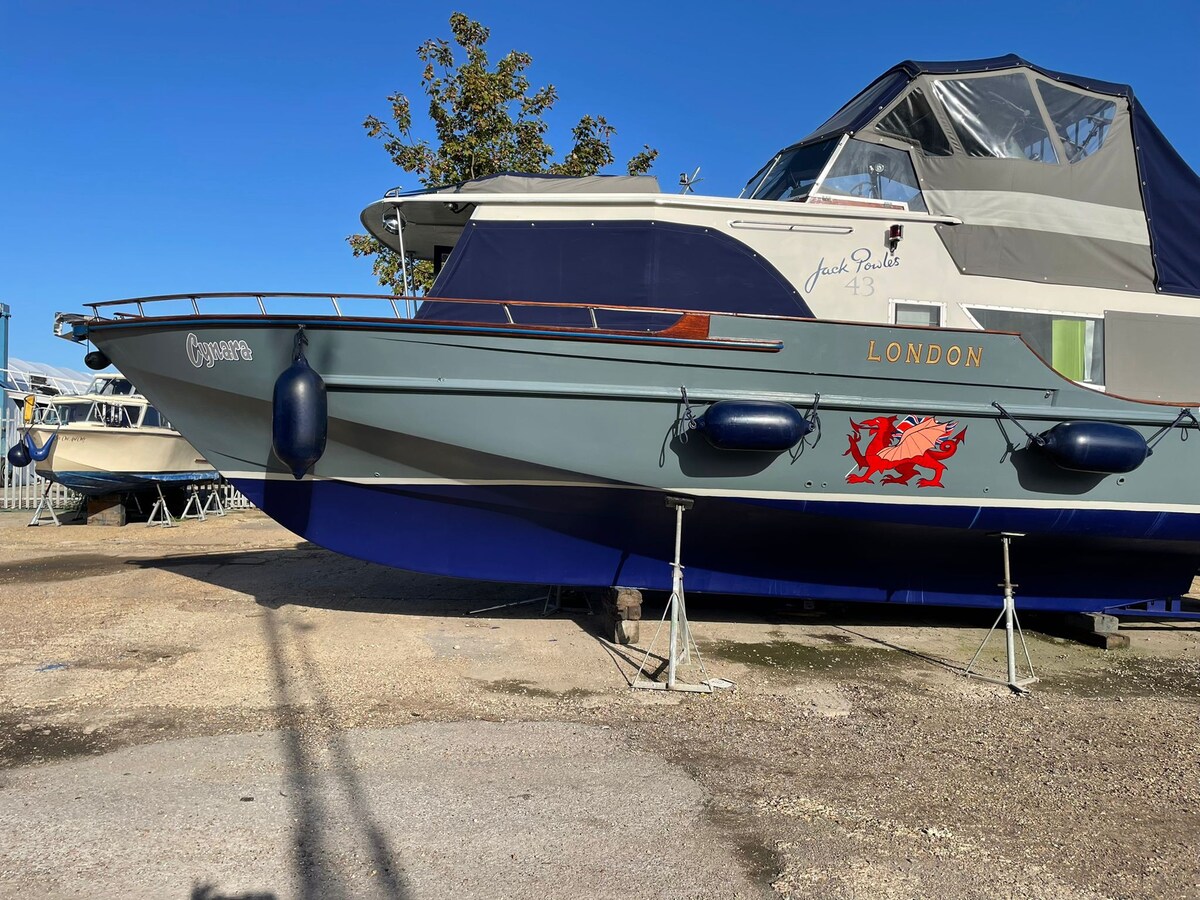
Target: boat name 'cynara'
{"points": [[924, 354], [860, 261], [207, 353]]}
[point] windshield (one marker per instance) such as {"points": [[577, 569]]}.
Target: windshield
{"points": [[872, 172], [111, 387], [792, 173], [60, 413], [114, 415]]}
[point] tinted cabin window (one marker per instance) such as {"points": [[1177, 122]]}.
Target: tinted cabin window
{"points": [[912, 119], [996, 116], [1082, 121], [924, 314]]}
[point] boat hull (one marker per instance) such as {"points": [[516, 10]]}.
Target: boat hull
{"points": [[96, 460], [620, 536], [518, 455]]}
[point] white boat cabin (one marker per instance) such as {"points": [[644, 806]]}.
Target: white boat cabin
{"points": [[987, 194]]}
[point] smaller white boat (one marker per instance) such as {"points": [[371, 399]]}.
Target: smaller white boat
{"points": [[110, 440]]}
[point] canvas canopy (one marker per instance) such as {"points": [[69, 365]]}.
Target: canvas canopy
{"points": [[1055, 177]]}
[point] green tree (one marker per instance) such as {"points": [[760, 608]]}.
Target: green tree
{"points": [[486, 120]]}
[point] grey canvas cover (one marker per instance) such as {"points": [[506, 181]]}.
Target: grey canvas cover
{"points": [[1057, 177]]}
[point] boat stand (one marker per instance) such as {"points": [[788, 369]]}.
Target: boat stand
{"points": [[193, 502], [680, 644], [160, 515], [212, 503], [44, 514], [1009, 614]]}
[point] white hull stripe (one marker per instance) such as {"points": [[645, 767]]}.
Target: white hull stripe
{"points": [[736, 494]]}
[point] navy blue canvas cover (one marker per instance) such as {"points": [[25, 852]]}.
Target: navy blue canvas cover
{"points": [[637, 263]]}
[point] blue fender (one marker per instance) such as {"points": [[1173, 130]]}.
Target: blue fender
{"points": [[36, 453], [299, 415], [1100, 447], [765, 426]]}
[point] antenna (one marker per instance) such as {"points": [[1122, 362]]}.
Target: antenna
{"points": [[686, 181]]}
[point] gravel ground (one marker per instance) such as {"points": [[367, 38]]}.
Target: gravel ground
{"points": [[397, 747]]}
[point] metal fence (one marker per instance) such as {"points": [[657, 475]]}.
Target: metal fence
{"points": [[23, 488]]}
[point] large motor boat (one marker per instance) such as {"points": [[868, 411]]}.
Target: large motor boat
{"points": [[828, 367], [110, 440]]}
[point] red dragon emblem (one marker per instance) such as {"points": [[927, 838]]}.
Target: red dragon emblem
{"points": [[901, 448]]}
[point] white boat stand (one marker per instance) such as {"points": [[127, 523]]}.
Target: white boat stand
{"points": [[679, 642], [193, 503], [44, 514], [1009, 614], [194, 509], [160, 515], [212, 504]]}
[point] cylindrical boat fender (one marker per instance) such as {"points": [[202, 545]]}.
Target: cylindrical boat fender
{"points": [[299, 414], [97, 359], [1101, 447], [18, 455], [763, 425]]}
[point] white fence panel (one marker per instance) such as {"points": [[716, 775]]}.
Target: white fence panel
{"points": [[22, 488]]}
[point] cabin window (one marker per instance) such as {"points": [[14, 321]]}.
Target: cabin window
{"points": [[151, 418], [916, 312], [1073, 345], [912, 119], [60, 413], [996, 116], [1082, 121], [872, 172], [792, 174]]}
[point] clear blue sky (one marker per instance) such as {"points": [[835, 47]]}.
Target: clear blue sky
{"points": [[151, 148]]}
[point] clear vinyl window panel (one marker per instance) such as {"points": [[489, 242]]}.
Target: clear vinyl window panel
{"points": [[1082, 121], [873, 172], [1073, 345], [912, 119], [996, 116]]}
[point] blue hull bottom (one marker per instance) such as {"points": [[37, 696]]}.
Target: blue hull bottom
{"points": [[96, 484], [937, 555]]}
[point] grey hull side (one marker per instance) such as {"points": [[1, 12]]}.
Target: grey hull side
{"points": [[422, 416]]}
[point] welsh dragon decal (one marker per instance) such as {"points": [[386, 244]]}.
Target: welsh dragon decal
{"points": [[901, 448]]}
